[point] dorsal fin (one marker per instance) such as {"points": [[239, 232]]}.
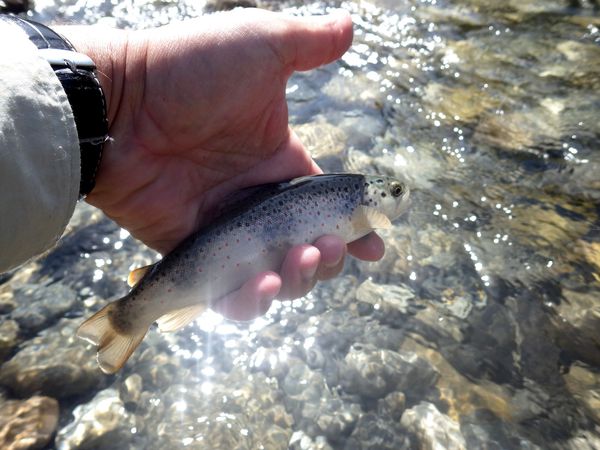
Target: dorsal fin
{"points": [[137, 274], [179, 318]]}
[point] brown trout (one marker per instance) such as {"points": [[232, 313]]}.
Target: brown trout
{"points": [[252, 236]]}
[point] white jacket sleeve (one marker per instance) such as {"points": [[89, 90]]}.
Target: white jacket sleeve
{"points": [[39, 152]]}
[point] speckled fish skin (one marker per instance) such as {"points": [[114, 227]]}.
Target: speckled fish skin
{"points": [[254, 236]]}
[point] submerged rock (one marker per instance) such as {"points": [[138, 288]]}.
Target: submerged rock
{"points": [[433, 429], [301, 441], [234, 410], [9, 337], [315, 408], [54, 363], [373, 373], [29, 424], [577, 324], [527, 130], [378, 433], [584, 384], [392, 406], [464, 104], [103, 423], [321, 139], [41, 306]]}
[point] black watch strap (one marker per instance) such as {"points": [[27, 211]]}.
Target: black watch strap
{"points": [[76, 73]]}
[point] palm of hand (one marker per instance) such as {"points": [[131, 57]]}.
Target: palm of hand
{"points": [[200, 116]]}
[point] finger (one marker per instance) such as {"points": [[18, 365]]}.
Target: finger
{"points": [[367, 248], [313, 41], [298, 271], [333, 250], [253, 299]]}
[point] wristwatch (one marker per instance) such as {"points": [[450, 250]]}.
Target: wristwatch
{"points": [[76, 73]]}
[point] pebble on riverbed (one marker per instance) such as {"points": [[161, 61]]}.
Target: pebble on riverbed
{"points": [[28, 424], [54, 363]]}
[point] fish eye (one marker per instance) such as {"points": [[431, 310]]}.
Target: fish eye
{"points": [[396, 189]]}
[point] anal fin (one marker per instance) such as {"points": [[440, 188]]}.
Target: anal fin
{"points": [[179, 318]]}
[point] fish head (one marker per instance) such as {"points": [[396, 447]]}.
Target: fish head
{"points": [[388, 195]]}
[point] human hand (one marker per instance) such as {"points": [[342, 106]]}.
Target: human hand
{"points": [[197, 110]]}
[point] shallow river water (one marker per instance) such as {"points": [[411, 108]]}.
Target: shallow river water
{"points": [[480, 328]]}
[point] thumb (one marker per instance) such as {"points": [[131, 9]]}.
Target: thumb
{"points": [[312, 41]]}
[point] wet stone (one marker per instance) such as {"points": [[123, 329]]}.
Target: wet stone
{"points": [[486, 431], [55, 363], [101, 424], [321, 139], [373, 373], [302, 441], [131, 389], [373, 432], [392, 405], [28, 424], [433, 429], [9, 337], [388, 297], [577, 325], [526, 131], [239, 411], [7, 301], [584, 384], [337, 418], [466, 104], [39, 307]]}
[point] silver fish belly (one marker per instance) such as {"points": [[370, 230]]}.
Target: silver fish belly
{"points": [[253, 236]]}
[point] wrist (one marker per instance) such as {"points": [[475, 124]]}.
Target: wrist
{"points": [[108, 49], [76, 73]]}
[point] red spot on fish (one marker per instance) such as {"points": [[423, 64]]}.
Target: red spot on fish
{"points": [[249, 239], [237, 264], [200, 269]]}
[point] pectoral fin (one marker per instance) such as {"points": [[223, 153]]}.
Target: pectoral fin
{"points": [[137, 274], [366, 219], [179, 318]]}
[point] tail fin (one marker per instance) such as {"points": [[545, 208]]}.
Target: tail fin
{"points": [[114, 347]]}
